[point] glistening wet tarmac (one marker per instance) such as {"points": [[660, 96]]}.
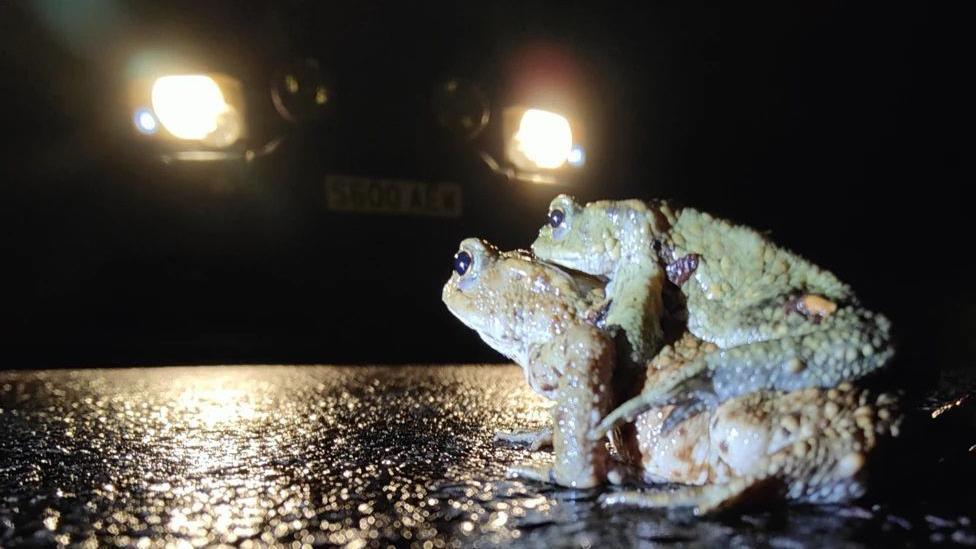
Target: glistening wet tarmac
{"points": [[355, 456]]}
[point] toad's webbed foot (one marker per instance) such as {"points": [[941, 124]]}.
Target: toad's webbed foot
{"points": [[537, 440], [532, 472], [690, 398], [710, 498], [550, 474], [691, 386]]}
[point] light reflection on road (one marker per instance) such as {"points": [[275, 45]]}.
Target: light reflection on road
{"points": [[272, 455], [304, 456]]}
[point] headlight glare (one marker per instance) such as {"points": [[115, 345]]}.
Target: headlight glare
{"points": [[545, 138], [189, 106], [539, 140]]}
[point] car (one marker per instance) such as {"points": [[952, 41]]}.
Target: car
{"points": [[277, 192], [284, 232]]}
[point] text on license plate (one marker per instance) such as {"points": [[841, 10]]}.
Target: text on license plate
{"points": [[345, 193]]}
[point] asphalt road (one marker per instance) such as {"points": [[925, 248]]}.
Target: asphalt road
{"points": [[356, 456]]}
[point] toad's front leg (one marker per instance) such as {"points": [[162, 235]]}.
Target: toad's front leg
{"points": [[583, 397], [634, 304]]}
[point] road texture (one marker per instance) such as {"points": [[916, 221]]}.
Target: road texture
{"points": [[354, 456]]}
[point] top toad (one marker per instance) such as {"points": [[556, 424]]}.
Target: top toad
{"points": [[778, 321]]}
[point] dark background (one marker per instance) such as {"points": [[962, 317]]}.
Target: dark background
{"points": [[838, 127]]}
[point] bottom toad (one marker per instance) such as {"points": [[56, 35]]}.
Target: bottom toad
{"points": [[811, 445]]}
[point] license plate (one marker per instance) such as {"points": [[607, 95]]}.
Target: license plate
{"points": [[345, 193]]}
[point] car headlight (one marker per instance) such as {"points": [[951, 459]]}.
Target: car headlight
{"points": [[540, 140], [202, 108]]}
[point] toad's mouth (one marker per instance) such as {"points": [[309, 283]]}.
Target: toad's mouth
{"points": [[543, 252]]}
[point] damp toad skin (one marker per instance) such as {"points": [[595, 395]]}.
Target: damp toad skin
{"points": [[776, 320], [534, 314], [809, 445]]}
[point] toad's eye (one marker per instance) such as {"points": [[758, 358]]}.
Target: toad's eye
{"points": [[462, 262], [556, 218]]}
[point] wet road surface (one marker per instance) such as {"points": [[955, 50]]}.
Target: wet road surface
{"points": [[355, 456]]}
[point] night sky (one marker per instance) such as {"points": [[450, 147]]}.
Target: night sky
{"points": [[839, 128]]}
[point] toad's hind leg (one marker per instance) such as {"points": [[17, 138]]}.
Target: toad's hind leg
{"points": [[710, 498], [819, 359], [807, 341], [825, 358]]}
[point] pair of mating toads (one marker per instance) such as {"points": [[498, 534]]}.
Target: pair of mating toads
{"points": [[710, 356]]}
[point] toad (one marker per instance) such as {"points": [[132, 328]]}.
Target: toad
{"points": [[807, 445], [776, 321]]}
